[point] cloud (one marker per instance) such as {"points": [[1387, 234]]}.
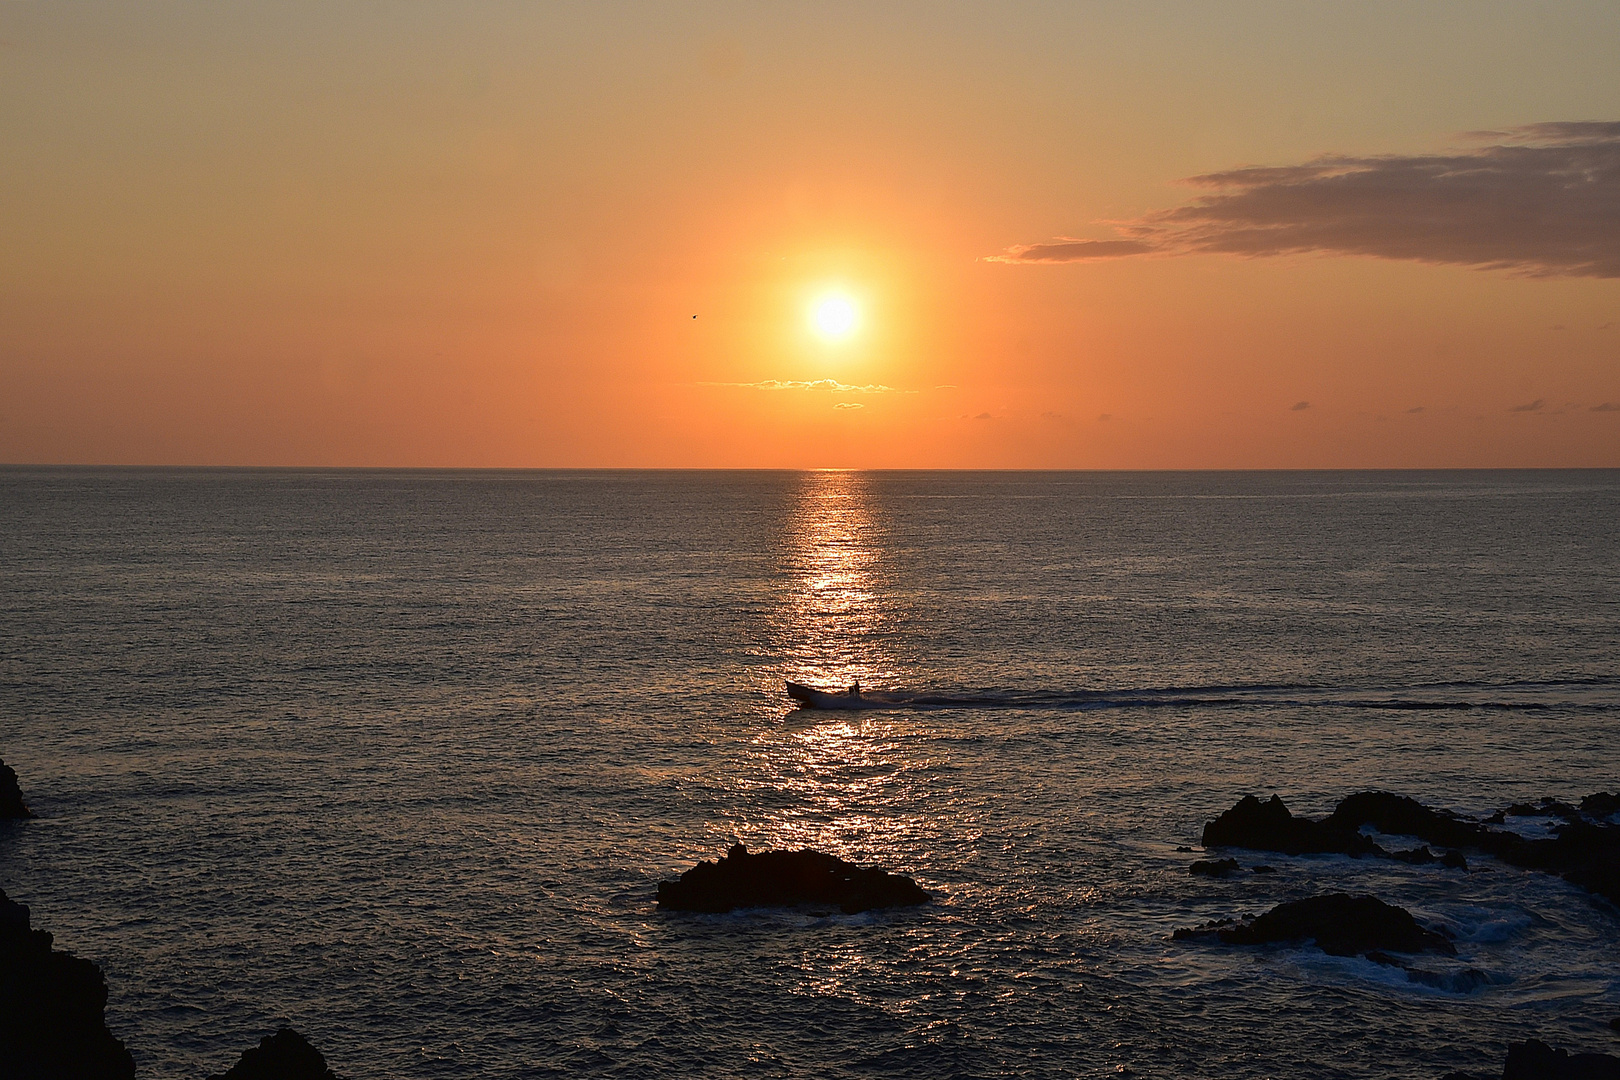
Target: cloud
{"points": [[814, 384], [1065, 250], [1542, 200], [1534, 406], [983, 416], [849, 405], [1414, 409], [1299, 406], [1607, 406]]}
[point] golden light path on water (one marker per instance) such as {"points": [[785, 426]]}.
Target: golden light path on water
{"points": [[858, 784]]}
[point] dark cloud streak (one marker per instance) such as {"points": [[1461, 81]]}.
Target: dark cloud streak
{"points": [[1542, 200]]}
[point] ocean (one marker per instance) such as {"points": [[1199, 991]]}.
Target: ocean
{"points": [[399, 758]]}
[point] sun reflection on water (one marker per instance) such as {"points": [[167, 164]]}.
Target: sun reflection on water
{"points": [[835, 626], [859, 785]]}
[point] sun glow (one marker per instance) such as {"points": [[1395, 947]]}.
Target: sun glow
{"points": [[834, 316]]}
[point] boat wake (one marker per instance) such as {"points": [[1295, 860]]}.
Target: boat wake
{"points": [[1578, 695]]}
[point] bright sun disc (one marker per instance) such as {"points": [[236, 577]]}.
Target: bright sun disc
{"points": [[834, 317]]}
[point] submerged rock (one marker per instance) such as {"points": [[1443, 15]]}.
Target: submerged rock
{"points": [[1535, 1060], [1340, 924], [11, 800], [785, 879], [1214, 867], [52, 1008], [286, 1055]]}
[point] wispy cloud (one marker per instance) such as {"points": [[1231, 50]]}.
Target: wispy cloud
{"points": [[1607, 406], [1065, 249], [849, 405], [1532, 406], [814, 384], [1543, 199], [1299, 406]]}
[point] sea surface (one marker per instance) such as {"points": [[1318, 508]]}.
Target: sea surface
{"points": [[400, 757]]}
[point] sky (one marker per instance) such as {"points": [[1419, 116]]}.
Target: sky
{"points": [[1054, 235]]}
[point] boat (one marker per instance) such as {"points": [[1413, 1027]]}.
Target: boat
{"points": [[809, 697]]}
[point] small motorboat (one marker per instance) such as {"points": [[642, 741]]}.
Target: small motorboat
{"points": [[809, 697]]}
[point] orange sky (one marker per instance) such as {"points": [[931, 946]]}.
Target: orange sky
{"points": [[475, 235]]}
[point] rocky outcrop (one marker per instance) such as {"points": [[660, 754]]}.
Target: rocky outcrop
{"points": [[1269, 826], [51, 1008], [11, 800], [286, 1055], [786, 879], [1340, 924], [1535, 1060], [1583, 851]]}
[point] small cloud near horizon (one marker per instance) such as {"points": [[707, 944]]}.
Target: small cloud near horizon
{"points": [[1607, 406], [1299, 406], [984, 416], [813, 384], [1415, 409], [1534, 406], [1541, 200], [849, 405]]}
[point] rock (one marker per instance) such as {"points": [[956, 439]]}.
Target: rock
{"points": [[1214, 867], [51, 1008], [1268, 826], [1584, 852], [1535, 1060], [11, 800], [1397, 815], [786, 878], [1340, 924], [1600, 804], [286, 1055]]}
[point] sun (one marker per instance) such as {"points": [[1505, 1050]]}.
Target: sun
{"points": [[834, 316]]}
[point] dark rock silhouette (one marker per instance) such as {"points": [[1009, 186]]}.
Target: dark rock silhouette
{"points": [[785, 879], [11, 800], [1601, 804], [1584, 852], [51, 1009], [286, 1055], [1214, 867], [1340, 924], [1397, 815], [1535, 1060], [1268, 826]]}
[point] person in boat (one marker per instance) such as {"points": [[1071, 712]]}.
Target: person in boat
{"points": [[855, 688]]}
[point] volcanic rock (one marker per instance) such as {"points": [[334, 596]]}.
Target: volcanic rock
{"points": [[286, 1055], [1535, 1060], [11, 800], [1340, 924], [51, 1008], [785, 879]]}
